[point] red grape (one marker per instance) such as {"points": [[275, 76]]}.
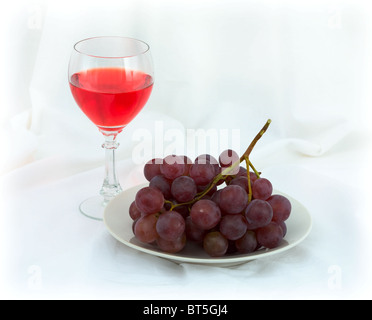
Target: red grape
{"points": [[262, 189], [173, 167], [270, 235], [240, 181], [170, 225], [134, 212], [145, 228], [247, 243], [233, 199], [152, 168], [281, 207], [233, 226], [193, 232], [258, 214], [205, 214], [172, 246], [183, 189], [202, 174], [163, 184], [149, 200], [207, 158], [215, 244]]}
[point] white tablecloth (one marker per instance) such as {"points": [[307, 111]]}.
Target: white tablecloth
{"points": [[225, 66]]}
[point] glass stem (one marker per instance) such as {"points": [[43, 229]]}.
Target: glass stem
{"points": [[111, 186]]}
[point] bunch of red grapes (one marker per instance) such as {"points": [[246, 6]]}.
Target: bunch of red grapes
{"points": [[219, 204]]}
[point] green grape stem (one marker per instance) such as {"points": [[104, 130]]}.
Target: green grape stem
{"points": [[226, 172], [254, 169], [255, 140], [249, 181]]}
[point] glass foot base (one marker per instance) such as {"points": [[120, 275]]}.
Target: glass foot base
{"points": [[93, 207]]}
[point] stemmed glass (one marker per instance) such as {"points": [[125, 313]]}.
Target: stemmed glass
{"points": [[111, 79]]}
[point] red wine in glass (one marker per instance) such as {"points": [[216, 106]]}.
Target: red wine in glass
{"points": [[111, 97], [111, 79]]}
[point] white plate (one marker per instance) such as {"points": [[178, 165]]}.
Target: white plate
{"points": [[119, 224]]}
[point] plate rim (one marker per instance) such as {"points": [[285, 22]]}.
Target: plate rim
{"points": [[227, 260]]}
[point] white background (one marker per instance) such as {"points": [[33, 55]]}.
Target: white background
{"points": [[219, 64]]}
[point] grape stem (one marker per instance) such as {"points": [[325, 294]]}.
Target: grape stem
{"points": [[226, 171], [255, 140], [254, 169], [249, 180]]}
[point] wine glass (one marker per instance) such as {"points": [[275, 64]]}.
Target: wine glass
{"points": [[111, 79]]}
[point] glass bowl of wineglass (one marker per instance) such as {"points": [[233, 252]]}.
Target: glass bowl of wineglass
{"points": [[111, 79]]}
